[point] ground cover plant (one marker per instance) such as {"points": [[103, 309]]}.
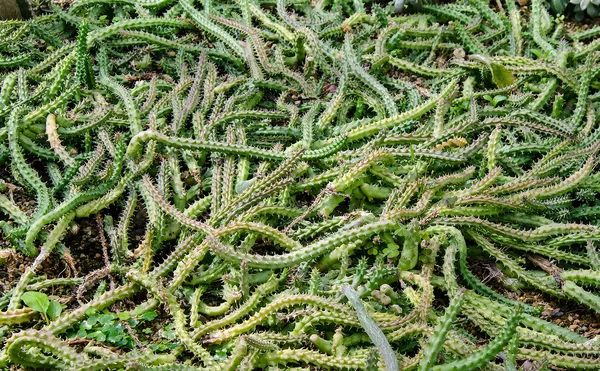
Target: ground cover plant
{"points": [[297, 184]]}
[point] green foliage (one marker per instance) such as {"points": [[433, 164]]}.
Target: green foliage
{"points": [[496, 99], [107, 327]]}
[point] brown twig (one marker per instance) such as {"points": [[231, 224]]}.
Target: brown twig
{"points": [[104, 249]]}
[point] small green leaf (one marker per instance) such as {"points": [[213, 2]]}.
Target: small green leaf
{"points": [[123, 316], [37, 301], [87, 324], [109, 328], [501, 75], [114, 338], [97, 336], [499, 98], [54, 310], [393, 253], [220, 354], [105, 318], [169, 332], [149, 316]]}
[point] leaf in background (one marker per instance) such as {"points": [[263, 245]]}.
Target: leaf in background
{"points": [[37, 301], [54, 310], [558, 6], [501, 75]]}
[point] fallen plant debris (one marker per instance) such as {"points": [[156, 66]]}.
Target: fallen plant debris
{"points": [[297, 184]]}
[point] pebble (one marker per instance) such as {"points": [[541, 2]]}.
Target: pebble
{"points": [[527, 365]]}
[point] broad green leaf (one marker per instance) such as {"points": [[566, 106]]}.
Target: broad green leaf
{"points": [[37, 301], [538, 53], [54, 310], [241, 186], [592, 10], [501, 75], [370, 327]]}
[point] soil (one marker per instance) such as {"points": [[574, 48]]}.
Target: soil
{"points": [[568, 314]]}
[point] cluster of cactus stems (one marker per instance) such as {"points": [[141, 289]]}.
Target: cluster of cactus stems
{"points": [[314, 182]]}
